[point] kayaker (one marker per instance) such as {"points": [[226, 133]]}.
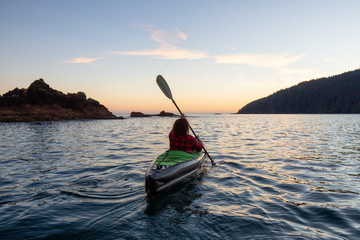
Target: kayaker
{"points": [[180, 139]]}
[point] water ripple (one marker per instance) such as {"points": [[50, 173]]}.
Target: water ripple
{"points": [[277, 177]]}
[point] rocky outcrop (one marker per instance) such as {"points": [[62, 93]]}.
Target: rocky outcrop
{"points": [[166, 114], [139, 114], [161, 114], [39, 102]]}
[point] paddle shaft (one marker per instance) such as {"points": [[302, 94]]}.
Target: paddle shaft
{"points": [[212, 161], [166, 90]]}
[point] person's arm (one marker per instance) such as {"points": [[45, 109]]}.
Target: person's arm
{"points": [[198, 145]]}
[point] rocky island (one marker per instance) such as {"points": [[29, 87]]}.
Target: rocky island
{"points": [[161, 114], [39, 102]]}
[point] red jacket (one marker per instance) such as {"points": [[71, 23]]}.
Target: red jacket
{"points": [[187, 144]]}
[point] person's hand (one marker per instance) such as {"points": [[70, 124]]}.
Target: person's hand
{"points": [[183, 115]]}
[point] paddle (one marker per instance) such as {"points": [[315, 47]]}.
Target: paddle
{"points": [[166, 90]]}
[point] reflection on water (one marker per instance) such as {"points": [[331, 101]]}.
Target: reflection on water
{"points": [[277, 177], [181, 199]]}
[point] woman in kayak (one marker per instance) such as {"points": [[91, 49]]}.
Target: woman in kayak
{"points": [[181, 140]]}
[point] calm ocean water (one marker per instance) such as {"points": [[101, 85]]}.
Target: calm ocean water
{"points": [[277, 177]]}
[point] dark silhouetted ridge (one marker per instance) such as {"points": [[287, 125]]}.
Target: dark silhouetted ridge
{"points": [[336, 94]]}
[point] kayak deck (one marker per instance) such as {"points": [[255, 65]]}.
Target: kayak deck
{"points": [[170, 158]]}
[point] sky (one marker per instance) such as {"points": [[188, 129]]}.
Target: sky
{"points": [[216, 55]]}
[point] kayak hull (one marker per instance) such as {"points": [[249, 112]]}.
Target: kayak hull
{"points": [[162, 179]]}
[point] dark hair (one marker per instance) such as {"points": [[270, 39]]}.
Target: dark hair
{"points": [[181, 127]]}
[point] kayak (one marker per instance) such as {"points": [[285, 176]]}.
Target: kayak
{"points": [[172, 168]]}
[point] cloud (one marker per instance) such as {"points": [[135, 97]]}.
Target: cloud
{"points": [[290, 77], [260, 60], [240, 75], [167, 49], [168, 52], [232, 48], [82, 60], [306, 73]]}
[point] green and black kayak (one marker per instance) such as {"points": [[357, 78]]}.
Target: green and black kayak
{"points": [[172, 168]]}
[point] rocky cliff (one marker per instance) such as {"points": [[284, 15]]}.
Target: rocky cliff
{"points": [[39, 102]]}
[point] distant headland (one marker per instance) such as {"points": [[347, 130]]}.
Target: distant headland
{"points": [[336, 94], [39, 102]]}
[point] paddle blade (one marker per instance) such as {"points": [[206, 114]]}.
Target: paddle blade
{"points": [[164, 86]]}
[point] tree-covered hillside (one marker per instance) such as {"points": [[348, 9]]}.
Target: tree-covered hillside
{"points": [[336, 94]]}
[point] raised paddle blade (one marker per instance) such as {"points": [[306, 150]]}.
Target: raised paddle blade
{"points": [[164, 86]]}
